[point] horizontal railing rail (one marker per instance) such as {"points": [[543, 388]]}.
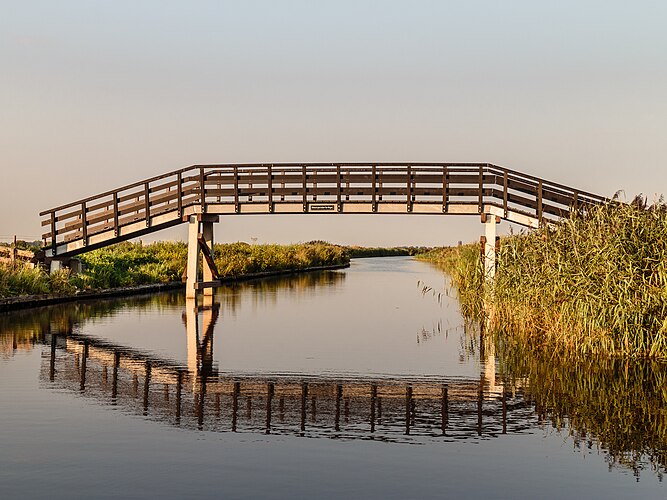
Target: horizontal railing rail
{"points": [[317, 187]]}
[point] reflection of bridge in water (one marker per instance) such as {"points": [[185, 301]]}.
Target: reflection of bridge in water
{"points": [[199, 396]]}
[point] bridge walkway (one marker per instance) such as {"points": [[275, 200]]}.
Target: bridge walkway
{"points": [[199, 194]]}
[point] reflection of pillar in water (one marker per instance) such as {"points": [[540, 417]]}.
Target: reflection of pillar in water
{"points": [[480, 398], [84, 361], [52, 362], [179, 391], [408, 408], [114, 377], [313, 409], [269, 400], [209, 316], [235, 404], [248, 412], [304, 398], [489, 358], [444, 412], [379, 409], [201, 402], [374, 395], [281, 408], [504, 410], [105, 376], [339, 395], [147, 384], [191, 329]]}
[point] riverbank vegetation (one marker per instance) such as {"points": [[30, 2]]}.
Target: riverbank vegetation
{"points": [[130, 264], [357, 252], [593, 284]]}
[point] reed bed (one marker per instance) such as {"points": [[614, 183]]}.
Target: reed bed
{"points": [[595, 284]]}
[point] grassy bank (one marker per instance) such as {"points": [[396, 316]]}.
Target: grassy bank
{"points": [[130, 264], [595, 284]]}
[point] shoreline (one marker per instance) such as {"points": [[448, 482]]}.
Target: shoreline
{"points": [[32, 301]]}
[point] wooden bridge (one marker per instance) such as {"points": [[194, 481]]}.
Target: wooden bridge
{"points": [[200, 194]]}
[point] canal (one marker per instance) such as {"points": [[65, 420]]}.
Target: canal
{"points": [[364, 382]]}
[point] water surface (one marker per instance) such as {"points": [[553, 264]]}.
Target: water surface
{"points": [[345, 383]]}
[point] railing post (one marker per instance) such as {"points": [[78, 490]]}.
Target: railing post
{"points": [[147, 204], [539, 202], [481, 189], [84, 224], [339, 188], [236, 189], [269, 174], [202, 190], [374, 202], [305, 190], [116, 227], [53, 234], [505, 194], [409, 191], [445, 188], [179, 187]]}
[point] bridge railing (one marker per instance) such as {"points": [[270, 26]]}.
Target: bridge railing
{"points": [[443, 187]]}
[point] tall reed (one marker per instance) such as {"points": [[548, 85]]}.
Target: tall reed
{"points": [[592, 284]]}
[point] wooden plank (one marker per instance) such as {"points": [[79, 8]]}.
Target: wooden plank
{"points": [[270, 187]]}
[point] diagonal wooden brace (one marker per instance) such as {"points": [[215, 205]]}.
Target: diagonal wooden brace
{"points": [[208, 257]]}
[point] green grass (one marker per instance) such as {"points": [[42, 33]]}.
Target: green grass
{"points": [[17, 279], [131, 264], [590, 285]]}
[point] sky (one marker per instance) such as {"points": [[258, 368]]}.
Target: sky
{"points": [[98, 94]]}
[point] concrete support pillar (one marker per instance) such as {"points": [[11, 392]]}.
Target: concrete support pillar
{"points": [[55, 265], [191, 328], [490, 222], [192, 269], [207, 233]]}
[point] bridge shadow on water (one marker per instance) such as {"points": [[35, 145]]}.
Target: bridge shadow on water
{"points": [[620, 407]]}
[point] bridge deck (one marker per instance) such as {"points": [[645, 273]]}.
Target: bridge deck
{"points": [[351, 188]]}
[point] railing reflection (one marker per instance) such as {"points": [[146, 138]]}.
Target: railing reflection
{"points": [[198, 396]]}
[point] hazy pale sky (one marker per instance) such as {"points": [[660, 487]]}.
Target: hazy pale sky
{"points": [[97, 94]]}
